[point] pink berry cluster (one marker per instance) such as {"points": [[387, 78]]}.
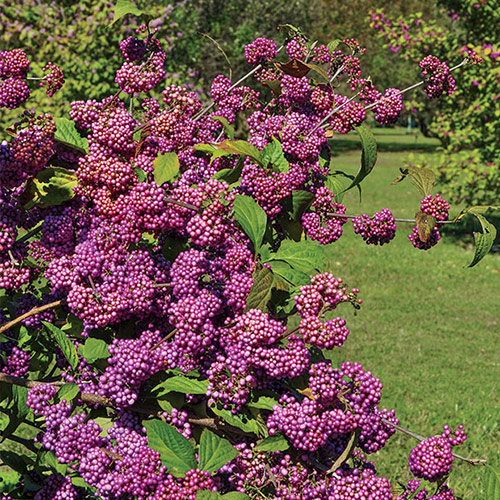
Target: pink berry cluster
{"points": [[53, 80], [14, 67], [438, 77], [376, 230], [431, 459], [443, 493], [260, 51], [437, 207]]}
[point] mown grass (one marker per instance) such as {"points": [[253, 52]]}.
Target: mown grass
{"points": [[428, 328]]}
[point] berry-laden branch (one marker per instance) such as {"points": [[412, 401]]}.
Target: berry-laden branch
{"points": [[412, 221], [31, 312], [471, 461]]}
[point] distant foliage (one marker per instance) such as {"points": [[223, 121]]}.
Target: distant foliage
{"points": [[467, 123]]}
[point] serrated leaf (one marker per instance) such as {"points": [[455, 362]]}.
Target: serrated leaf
{"points": [[478, 209], [68, 392], [261, 291], [20, 395], [235, 495], [483, 241], [292, 276], [78, 482], [491, 484], [166, 168], [67, 347], [94, 349], [251, 217], [247, 424], [334, 44], [306, 256], [230, 175], [301, 200], [368, 155], [51, 186], [205, 148], [67, 134], [423, 179], [228, 129], [141, 175], [214, 451], [276, 442], [176, 452], [183, 385], [273, 154], [425, 225], [104, 423], [124, 7]]}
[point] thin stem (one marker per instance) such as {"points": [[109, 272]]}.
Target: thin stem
{"points": [[11, 257], [471, 461], [162, 285], [35, 78], [287, 334], [337, 108], [31, 312], [164, 339], [205, 110], [346, 216], [181, 203], [29, 234]]}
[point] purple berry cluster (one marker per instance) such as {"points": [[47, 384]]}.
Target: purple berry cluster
{"points": [[376, 230], [14, 67], [437, 207], [260, 51], [438, 77]]}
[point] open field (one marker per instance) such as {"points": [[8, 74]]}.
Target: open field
{"points": [[428, 327]]}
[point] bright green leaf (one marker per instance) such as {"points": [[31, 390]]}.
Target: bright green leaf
{"points": [[207, 495], [368, 155], [68, 392], [230, 175], [483, 241], [182, 384], [241, 148], [67, 134], [124, 7], [251, 218], [240, 420], [176, 452], [166, 167], [94, 349], [229, 129], [273, 154], [491, 484], [20, 395], [49, 458], [214, 451], [263, 403], [300, 203], [276, 442], [306, 256], [67, 347]]}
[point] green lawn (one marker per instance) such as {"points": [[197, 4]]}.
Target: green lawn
{"points": [[428, 327]]}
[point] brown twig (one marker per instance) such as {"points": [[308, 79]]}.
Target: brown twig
{"points": [[181, 203], [471, 461], [31, 312], [164, 339]]}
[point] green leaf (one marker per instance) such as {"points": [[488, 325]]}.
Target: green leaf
{"points": [[251, 218], [261, 291], [166, 168], [94, 349], [214, 451], [51, 186], [183, 385], [205, 148], [207, 495], [293, 276], [334, 44], [228, 129], [263, 403], [235, 495], [240, 420], [230, 175], [276, 442], [67, 134], [20, 395], [422, 178], [68, 392], [478, 209], [336, 183], [483, 241], [67, 347], [491, 484], [300, 203], [273, 154], [241, 148], [306, 256], [425, 225], [141, 175], [124, 7], [368, 155], [347, 451], [49, 458], [176, 452], [14, 461], [78, 482]]}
